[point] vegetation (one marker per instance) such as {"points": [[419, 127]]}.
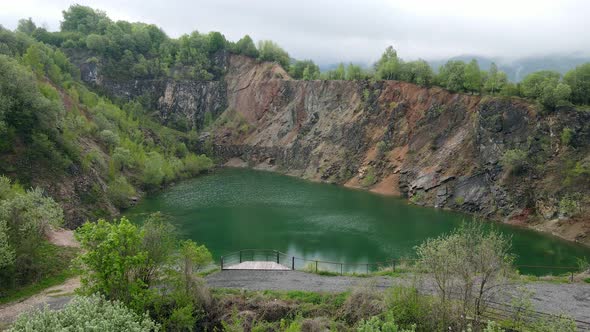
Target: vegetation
{"points": [[85, 314]]}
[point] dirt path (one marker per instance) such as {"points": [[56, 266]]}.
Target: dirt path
{"points": [[55, 297], [571, 299]]}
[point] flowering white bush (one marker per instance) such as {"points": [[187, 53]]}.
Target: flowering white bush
{"points": [[92, 313]]}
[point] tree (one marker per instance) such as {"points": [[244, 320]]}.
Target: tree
{"points": [[545, 86], [246, 47], [26, 26], [579, 81], [158, 241], [25, 218], [85, 20], [495, 80], [305, 69], [354, 72], [111, 258], [192, 258], [85, 314], [418, 72], [97, 43], [473, 79], [270, 51], [388, 66], [451, 76], [471, 261]]}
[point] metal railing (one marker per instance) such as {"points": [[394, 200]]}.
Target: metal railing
{"points": [[331, 267]]}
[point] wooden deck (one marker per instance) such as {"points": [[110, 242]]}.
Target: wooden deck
{"points": [[257, 265]]}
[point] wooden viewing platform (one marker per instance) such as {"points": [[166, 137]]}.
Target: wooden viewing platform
{"points": [[257, 265]]}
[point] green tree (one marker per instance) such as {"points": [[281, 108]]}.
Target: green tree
{"points": [[246, 47], [97, 43], [418, 72], [25, 218], [305, 69], [473, 79], [495, 80], [192, 258], [111, 258], [354, 72], [26, 26], [546, 87], [270, 51], [85, 20], [389, 65], [451, 76], [579, 81]]}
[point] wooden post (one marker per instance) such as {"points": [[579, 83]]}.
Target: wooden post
{"points": [[316, 266], [341, 269], [393, 264], [277, 257], [293, 263], [240, 256], [221, 262], [367, 268], [572, 277]]}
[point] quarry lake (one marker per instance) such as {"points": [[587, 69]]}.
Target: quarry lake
{"points": [[234, 209]]}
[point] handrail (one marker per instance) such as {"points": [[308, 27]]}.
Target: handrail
{"points": [[392, 262]]}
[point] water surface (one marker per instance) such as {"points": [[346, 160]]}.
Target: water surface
{"points": [[233, 209]]}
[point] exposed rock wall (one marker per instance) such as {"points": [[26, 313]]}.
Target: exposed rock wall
{"points": [[437, 148]]}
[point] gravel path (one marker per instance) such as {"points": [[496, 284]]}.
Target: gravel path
{"points": [[55, 297], [572, 299]]}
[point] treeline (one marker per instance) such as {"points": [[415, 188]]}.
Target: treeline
{"points": [[138, 50], [52, 125]]}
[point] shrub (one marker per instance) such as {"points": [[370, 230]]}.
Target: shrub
{"points": [[382, 324], [120, 191], [514, 160], [362, 303], [566, 136], [471, 262], [568, 206], [194, 164], [109, 138], [92, 313], [381, 147]]}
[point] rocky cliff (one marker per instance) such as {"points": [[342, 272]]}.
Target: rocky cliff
{"points": [[501, 158]]}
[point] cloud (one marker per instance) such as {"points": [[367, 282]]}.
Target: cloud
{"points": [[357, 31]]}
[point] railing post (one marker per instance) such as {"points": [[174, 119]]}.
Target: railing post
{"points": [[316, 266], [341, 269], [277, 256], [240, 256], [367, 268], [222, 263], [293, 263], [572, 277], [393, 265]]}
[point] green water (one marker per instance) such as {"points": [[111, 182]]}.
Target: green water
{"points": [[235, 209]]}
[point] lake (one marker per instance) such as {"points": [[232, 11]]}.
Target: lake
{"points": [[233, 209]]}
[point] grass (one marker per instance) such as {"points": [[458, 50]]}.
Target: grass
{"points": [[55, 269]]}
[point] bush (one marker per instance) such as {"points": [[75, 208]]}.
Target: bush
{"points": [[566, 136], [92, 313], [194, 164], [385, 324], [514, 160], [362, 303], [120, 191], [109, 138]]}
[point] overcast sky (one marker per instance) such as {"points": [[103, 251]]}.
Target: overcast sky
{"points": [[358, 31]]}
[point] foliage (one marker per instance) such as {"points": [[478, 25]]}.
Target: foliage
{"points": [[579, 81], [25, 218], [496, 80], [566, 136], [246, 47], [451, 76], [120, 192], [470, 262], [83, 314], [546, 87], [473, 78], [305, 70], [385, 324], [270, 51], [111, 259], [514, 160], [388, 66]]}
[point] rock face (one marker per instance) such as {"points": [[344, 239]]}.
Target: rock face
{"points": [[437, 148]]}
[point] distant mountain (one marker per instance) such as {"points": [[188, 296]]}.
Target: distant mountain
{"points": [[517, 69]]}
